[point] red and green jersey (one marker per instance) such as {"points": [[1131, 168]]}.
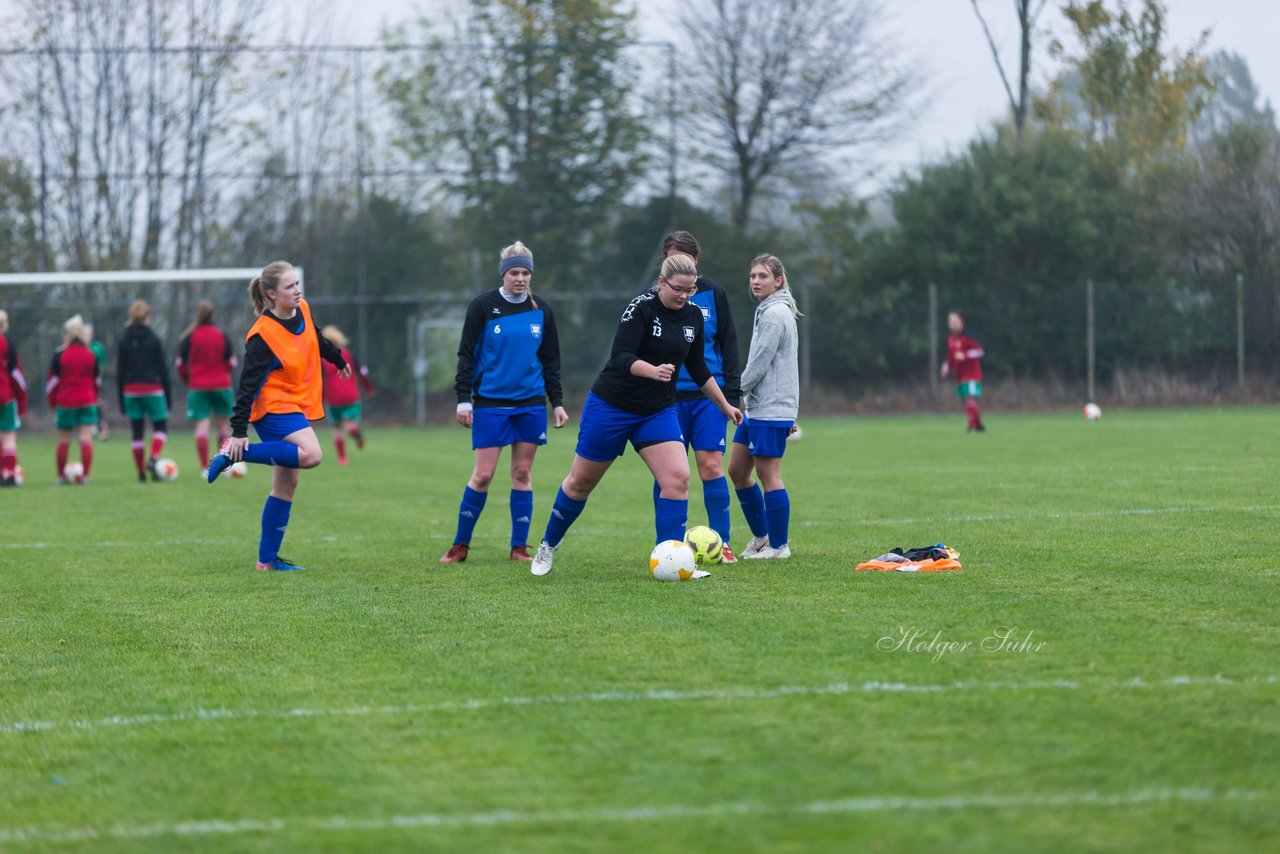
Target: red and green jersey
{"points": [[964, 358]]}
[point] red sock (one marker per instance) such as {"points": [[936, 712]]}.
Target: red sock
{"points": [[202, 449], [86, 456], [8, 463], [157, 443], [354, 432], [63, 448], [341, 445], [975, 416], [139, 458]]}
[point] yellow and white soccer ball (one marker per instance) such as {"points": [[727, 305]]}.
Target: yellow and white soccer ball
{"points": [[707, 546], [73, 472], [1092, 412], [166, 469], [672, 560], [238, 469]]}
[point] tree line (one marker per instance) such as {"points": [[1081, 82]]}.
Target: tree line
{"points": [[153, 133]]}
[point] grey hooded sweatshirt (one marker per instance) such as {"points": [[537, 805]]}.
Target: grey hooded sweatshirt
{"points": [[771, 379]]}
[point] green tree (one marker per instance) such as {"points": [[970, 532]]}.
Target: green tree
{"points": [[19, 238], [527, 105], [1133, 96]]}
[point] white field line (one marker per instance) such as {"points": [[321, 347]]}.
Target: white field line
{"points": [[995, 517], [651, 696], [613, 815]]}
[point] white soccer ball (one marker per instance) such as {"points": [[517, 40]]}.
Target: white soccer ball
{"points": [[672, 560], [166, 469], [706, 544], [73, 473], [1092, 412], [238, 469]]}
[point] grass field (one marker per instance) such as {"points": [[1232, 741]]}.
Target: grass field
{"points": [[157, 694]]}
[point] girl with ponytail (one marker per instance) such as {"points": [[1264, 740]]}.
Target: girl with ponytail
{"points": [[280, 393]]}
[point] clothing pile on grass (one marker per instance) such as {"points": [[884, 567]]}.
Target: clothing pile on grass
{"points": [[935, 558]]}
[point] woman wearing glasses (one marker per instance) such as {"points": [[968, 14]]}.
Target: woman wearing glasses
{"points": [[508, 367], [633, 400]]}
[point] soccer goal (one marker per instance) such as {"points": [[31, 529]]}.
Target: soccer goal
{"points": [[39, 303]]}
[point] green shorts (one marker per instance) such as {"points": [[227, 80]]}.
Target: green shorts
{"points": [[151, 406], [69, 418], [350, 412], [203, 404], [973, 388], [9, 420]]}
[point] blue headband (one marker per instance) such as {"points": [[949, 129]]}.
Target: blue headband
{"points": [[515, 261]]}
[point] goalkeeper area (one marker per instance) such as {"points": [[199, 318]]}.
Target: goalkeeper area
{"points": [[1102, 674]]}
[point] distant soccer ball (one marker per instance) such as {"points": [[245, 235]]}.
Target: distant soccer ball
{"points": [[19, 476], [73, 473], [795, 435], [1092, 412], [238, 469], [672, 560], [706, 544], [167, 469]]}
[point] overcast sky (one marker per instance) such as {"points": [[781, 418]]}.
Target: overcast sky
{"points": [[945, 36]]}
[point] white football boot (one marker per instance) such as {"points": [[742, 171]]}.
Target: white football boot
{"points": [[542, 560], [755, 545]]}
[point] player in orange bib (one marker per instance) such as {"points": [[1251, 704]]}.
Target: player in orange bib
{"points": [[280, 394]]}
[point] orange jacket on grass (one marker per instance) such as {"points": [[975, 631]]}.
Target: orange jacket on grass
{"points": [[939, 565], [295, 386]]}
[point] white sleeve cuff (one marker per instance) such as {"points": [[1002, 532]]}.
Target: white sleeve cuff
{"points": [[464, 407]]}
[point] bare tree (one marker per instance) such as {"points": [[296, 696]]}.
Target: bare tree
{"points": [[787, 85], [128, 100], [1028, 12]]}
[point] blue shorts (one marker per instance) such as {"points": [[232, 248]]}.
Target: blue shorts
{"points": [[273, 427], [605, 429], [702, 424], [499, 426], [763, 438]]}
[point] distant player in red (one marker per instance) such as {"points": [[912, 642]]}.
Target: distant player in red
{"points": [[342, 395], [72, 390], [205, 362], [964, 360], [13, 404]]}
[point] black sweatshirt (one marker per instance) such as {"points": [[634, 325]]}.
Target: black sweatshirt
{"points": [[258, 362], [650, 332], [141, 360]]}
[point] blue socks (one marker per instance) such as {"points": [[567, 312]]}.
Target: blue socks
{"points": [[752, 501], [715, 496], [281, 453], [521, 516], [564, 513], [275, 518], [469, 513], [778, 510], [669, 518]]}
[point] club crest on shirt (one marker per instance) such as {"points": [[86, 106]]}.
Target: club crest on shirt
{"points": [[706, 312], [535, 329], [688, 334]]}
